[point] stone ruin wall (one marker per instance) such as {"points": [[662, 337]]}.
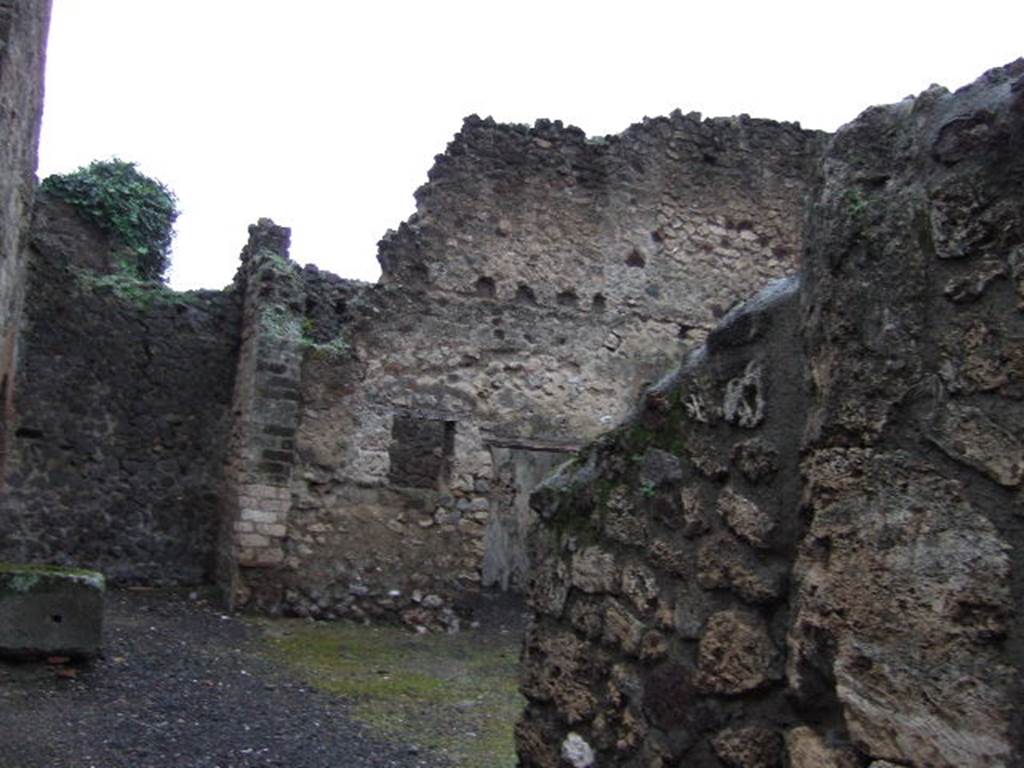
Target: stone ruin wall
{"points": [[324, 444], [23, 28], [123, 414], [803, 548], [544, 279], [669, 223]]}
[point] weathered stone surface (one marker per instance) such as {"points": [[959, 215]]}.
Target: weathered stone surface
{"points": [[968, 435], [807, 749], [747, 519], [750, 747], [549, 587], [744, 398], [736, 654], [537, 742], [50, 612], [543, 281], [859, 425], [640, 585], [562, 670], [622, 628], [725, 563], [594, 570], [23, 28], [756, 459], [664, 707], [871, 522], [576, 752], [116, 460], [906, 583], [922, 582]]}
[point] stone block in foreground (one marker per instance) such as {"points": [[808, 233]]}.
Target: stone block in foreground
{"points": [[50, 611]]}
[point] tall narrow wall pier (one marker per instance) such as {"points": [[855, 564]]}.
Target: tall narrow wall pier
{"points": [[544, 279], [23, 28], [804, 549], [265, 412]]}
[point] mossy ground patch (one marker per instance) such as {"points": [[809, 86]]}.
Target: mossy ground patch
{"points": [[456, 694]]}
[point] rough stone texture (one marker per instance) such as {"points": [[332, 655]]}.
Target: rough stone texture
{"points": [[544, 279], [676, 219], [265, 407], [688, 617], [341, 449], [50, 612], [905, 575], [23, 28], [857, 511], [750, 747], [119, 436], [736, 654], [810, 530], [808, 749]]}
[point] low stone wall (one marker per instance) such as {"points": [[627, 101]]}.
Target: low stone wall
{"points": [[814, 561]]}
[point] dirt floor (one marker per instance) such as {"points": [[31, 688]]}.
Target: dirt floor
{"points": [[182, 684]]}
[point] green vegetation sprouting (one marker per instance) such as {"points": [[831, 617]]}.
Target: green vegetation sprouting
{"points": [[138, 212]]}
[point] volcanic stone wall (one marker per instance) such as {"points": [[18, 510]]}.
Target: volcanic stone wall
{"points": [[123, 413], [803, 549], [23, 28], [672, 222], [544, 279]]}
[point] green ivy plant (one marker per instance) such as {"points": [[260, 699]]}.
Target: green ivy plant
{"points": [[137, 211]]}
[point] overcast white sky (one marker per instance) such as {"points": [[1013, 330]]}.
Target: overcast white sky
{"points": [[325, 115]]}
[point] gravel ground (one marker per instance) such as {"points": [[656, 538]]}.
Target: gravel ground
{"points": [[177, 686]]}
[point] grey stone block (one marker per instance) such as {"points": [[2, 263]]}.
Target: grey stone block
{"points": [[49, 611]]}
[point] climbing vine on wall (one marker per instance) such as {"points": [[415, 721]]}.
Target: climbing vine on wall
{"points": [[136, 210]]}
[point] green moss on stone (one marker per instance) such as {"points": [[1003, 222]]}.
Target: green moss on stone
{"points": [[15, 577], [131, 289]]}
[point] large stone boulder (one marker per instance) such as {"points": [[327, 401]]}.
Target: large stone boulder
{"points": [[47, 611]]}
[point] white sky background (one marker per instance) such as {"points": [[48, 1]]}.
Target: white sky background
{"points": [[326, 115]]}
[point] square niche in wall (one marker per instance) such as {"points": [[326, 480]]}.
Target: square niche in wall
{"points": [[421, 452]]}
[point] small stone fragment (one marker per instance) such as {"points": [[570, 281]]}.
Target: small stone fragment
{"points": [[746, 518], [808, 750], [967, 435], [577, 752], [736, 654], [594, 571], [640, 586], [756, 459], [743, 404], [725, 563], [751, 747]]}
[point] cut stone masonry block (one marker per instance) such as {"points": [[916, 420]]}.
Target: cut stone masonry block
{"points": [[47, 611]]}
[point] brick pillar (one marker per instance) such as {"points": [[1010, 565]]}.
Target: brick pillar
{"points": [[266, 412]]}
